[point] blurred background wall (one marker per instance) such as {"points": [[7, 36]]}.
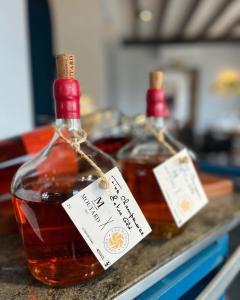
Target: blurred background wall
{"points": [[78, 29], [111, 72], [131, 78], [128, 66], [15, 74]]}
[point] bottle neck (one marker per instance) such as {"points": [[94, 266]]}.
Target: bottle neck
{"points": [[72, 126], [157, 122]]}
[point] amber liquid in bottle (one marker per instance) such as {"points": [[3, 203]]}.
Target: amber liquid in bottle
{"points": [[55, 250], [13, 153], [142, 183]]}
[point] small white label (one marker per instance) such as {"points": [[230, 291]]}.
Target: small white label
{"points": [[110, 221], [181, 187]]}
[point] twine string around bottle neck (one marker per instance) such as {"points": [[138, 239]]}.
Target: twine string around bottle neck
{"points": [[160, 136], [75, 145]]}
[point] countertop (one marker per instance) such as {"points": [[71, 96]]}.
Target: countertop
{"points": [[147, 263]]}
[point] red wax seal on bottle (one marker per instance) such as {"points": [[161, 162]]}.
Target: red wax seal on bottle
{"points": [[67, 98], [156, 101], [66, 89]]}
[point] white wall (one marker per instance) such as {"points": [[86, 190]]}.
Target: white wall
{"points": [[15, 82], [130, 66]]}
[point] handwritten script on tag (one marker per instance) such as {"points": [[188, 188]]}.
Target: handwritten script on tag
{"points": [[110, 221], [181, 187]]}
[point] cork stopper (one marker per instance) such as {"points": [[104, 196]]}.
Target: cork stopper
{"points": [[155, 79], [65, 64]]}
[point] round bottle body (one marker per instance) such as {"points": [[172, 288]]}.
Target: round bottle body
{"points": [[137, 160], [55, 250]]}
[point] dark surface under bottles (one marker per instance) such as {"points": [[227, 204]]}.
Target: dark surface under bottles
{"points": [[217, 217]]}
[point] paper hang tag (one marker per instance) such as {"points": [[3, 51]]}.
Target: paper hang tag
{"points": [[181, 187], [110, 221]]}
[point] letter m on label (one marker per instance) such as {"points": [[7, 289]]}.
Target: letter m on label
{"points": [[99, 202]]}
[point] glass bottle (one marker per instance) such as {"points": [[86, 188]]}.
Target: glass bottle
{"points": [[56, 252], [143, 153], [14, 152]]}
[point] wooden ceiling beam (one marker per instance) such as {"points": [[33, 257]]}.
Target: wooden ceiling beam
{"points": [[230, 28], [153, 42], [161, 17], [189, 12], [215, 16]]}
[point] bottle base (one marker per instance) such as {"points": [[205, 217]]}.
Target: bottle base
{"points": [[64, 271]]}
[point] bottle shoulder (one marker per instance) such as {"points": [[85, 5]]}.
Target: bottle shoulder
{"points": [[146, 147], [58, 169]]}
